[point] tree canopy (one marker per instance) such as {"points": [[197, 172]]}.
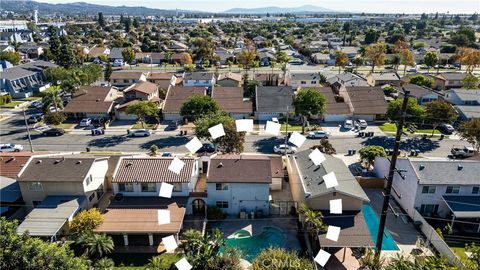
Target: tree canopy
{"points": [[438, 112], [369, 153], [470, 131], [86, 221], [375, 54], [309, 101], [197, 106], [142, 109], [415, 112]]}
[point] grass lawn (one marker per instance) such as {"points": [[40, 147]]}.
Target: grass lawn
{"points": [[290, 128], [459, 250], [12, 104], [138, 125], [127, 261], [30, 98], [392, 128], [64, 126]]}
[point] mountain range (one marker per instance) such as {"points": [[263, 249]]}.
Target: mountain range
{"points": [[27, 7]]}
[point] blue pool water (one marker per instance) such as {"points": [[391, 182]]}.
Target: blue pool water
{"points": [[373, 223], [251, 246]]}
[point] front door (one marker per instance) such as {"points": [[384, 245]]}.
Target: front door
{"points": [[198, 207], [204, 166]]}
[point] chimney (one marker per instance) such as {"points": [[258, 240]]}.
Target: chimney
{"points": [[79, 162], [220, 165], [460, 167], [422, 167]]}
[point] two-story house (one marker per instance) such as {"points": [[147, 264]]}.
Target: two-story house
{"points": [[449, 80], [199, 79], [465, 101], [122, 79], [296, 80], [272, 101]]}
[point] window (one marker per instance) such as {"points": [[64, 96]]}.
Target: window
{"points": [[303, 82], [475, 190], [35, 186], [149, 187], [453, 189], [221, 186], [91, 197], [125, 81], [89, 179], [313, 82], [428, 189], [114, 80], [222, 204], [429, 208], [177, 187], [125, 187]]}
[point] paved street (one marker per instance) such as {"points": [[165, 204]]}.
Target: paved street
{"points": [[12, 130]]}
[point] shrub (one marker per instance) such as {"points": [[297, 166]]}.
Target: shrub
{"points": [[55, 118], [214, 213], [86, 221], [5, 99], [389, 90]]}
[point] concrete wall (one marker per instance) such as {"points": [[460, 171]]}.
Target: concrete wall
{"points": [[98, 172], [241, 196], [49, 189], [436, 198], [137, 191]]}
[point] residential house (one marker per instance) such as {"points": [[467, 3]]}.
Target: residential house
{"points": [[239, 183], [383, 78], [268, 79], [278, 172], [318, 46], [25, 80], [350, 51], [198, 79], [449, 80], [145, 91], [230, 79], [175, 98], [115, 54], [123, 79], [96, 52], [321, 58], [164, 80], [224, 55], [336, 108], [177, 46], [422, 94], [444, 188], [231, 100], [296, 80], [366, 103], [346, 79], [6, 48], [78, 183], [273, 101], [181, 58], [31, 51], [93, 101], [466, 102]]}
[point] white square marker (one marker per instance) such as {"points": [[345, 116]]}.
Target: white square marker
{"points": [[183, 264], [330, 180], [244, 125], [272, 128], [194, 145], [336, 206], [322, 257], [163, 217], [170, 243], [317, 157], [217, 131], [333, 232], [176, 166], [297, 139], [166, 190]]}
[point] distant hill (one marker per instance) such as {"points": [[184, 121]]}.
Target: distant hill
{"points": [[26, 6], [276, 10]]}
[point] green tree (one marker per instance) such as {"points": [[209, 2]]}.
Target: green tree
{"points": [[157, 263], [95, 245], [415, 112], [67, 56], [198, 106], [128, 55], [422, 81], [246, 57], [52, 98], [369, 153], [313, 221], [20, 251], [54, 42], [438, 112], [142, 109], [407, 59], [430, 59], [341, 60], [400, 262], [104, 264], [86, 221], [101, 20], [475, 253], [229, 64], [108, 72], [371, 36], [189, 68], [325, 147], [470, 131], [55, 118], [232, 142], [375, 54], [280, 259], [12, 57], [470, 82], [308, 101], [371, 262]]}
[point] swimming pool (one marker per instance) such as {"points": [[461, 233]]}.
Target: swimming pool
{"points": [[373, 223], [251, 246]]}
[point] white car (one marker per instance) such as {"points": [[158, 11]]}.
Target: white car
{"points": [[8, 147], [318, 135], [85, 122], [117, 63], [139, 133], [282, 148], [361, 123], [348, 124]]}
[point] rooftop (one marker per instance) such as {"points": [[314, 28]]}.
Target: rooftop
{"points": [[230, 99], [274, 98], [239, 169], [177, 95]]}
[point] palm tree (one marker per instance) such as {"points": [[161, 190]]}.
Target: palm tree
{"points": [[96, 245], [104, 264], [371, 262], [272, 65], [52, 98], [157, 263], [400, 262], [202, 250], [313, 220]]}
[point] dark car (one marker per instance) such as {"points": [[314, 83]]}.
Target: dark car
{"points": [[172, 126], [53, 132], [207, 147]]}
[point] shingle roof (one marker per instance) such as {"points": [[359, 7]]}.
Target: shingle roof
{"points": [[312, 176], [90, 99], [277, 166], [57, 169], [416, 90], [160, 76], [199, 76], [144, 87], [12, 163], [367, 100], [332, 106], [116, 53], [390, 76], [354, 231], [239, 169], [97, 51], [467, 94], [151, 170], [312, 76], [25, 70], [177, 95], [126, 75], [274, 98], [469, 112], [447, 171], [230, 99], [230, 75], [452, 76]]}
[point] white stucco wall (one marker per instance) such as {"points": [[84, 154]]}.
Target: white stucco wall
{"points": [[241, 196]]}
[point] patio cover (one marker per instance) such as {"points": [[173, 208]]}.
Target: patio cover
{"points": [[50, 215], [354, 232], [463, 206]]}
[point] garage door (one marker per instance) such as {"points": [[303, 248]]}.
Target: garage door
{"points": [[335, 117]]}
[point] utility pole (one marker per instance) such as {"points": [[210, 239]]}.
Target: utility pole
{"points": [[28, 131], [391, 172], [286, 133]]}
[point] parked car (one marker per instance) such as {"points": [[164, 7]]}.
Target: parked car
{"points": [[36, 104], [361, 123], [167, 154], [172, 126], [463, 151], [8, 147], [35, 118], [118, 63], [134, 63], [282, 148], [348, 124], [207, 147], [446, 128], [139, 133], [53, 132], [318, 135], [85, 122], [98, 131]]}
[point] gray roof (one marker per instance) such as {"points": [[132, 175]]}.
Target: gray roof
{"points": [[274, 98], [443, 172], [9, 190], [199, 76], [468, 112], [50, 215], [456, 76], [116, 53], [385, 76], [467, 94], [312, 176], [416, 91], [313, 76], [25, 70]]}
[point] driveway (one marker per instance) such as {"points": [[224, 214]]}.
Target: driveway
{"points": [[336, 129]]}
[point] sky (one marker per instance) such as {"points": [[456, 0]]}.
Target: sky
{"points": [[374, 6]]}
